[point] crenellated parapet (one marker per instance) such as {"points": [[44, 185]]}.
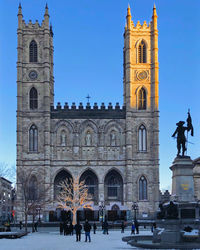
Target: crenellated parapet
{"points": [[88, 111]]}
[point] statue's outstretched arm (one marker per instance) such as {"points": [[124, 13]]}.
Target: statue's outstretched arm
{"points": [[174, 133]]}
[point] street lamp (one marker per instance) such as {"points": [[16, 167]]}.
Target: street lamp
{"points": [[101, 210], [135, 208], [39, 209]]}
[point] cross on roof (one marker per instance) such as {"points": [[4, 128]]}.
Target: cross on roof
{"points": [[88, 97]]}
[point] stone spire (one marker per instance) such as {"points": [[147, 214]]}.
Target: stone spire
{"points": [[20, 16], [46, 16], [154, 17], [128, 17]]}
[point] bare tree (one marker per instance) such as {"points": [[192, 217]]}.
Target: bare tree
{"points": [[8, 171], [30, 197], [73, 195]]}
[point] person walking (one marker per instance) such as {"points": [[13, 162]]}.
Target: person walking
{"points": [[133, 228], [35, 226], [87, 228], [71, 228], [105, 227], [94, 228], [20, 225], [122, 227], [78, 229], [61, 228], [137, 227]]}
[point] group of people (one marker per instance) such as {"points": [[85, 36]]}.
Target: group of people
{"points": [[134, 227], [68, 229]]}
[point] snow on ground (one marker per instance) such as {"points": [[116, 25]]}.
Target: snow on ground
{"points": [[52, 240]]}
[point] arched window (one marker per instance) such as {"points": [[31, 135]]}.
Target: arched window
{"points": [[142, 54], [61, 176], [33, 139], [91, 181], [33, 98], [142, 138], [33, 189], [142, 99], [142, 188], [33, 51], [113, 186]]}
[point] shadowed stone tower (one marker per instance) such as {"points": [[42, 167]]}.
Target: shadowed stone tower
{"points": [[141, 101], [35, 95], [114, 149]]}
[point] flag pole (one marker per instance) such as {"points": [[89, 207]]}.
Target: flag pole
{"points": [[187, 135]]}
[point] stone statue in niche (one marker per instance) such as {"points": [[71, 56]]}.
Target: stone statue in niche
{"points": [[88, 139], [63, 139], [113, 138]]}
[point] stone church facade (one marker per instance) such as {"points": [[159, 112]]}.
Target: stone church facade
{"points": [[114, 149]]}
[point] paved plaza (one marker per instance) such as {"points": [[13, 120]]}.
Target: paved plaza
{"points": [[50, 239]]}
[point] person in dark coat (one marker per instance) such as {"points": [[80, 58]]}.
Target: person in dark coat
{"points": [[66, 229], [35, 226], [137, 227], [78, 229], [87, 228], [94, 228], [71, 228], [105, 227], [20, 225], [61, 228], [122, 227]]}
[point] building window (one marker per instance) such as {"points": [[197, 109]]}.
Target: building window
{"points": [[33, 51], [142, 188], [142, 52], [142, 138], [32, 192], [33, 139], [142, 99], [33, 97], [113, 186]]}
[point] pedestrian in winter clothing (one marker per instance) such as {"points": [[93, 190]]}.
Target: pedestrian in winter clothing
{"points": [[35, 226], [122, 227], [87, 228], [78, 229], [94, 228], [71, 228], [133, 228], [66, 229], [137, 227], [20, 225], [61, 228], [105, 227]]}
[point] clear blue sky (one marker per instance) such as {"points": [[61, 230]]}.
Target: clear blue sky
{"points": [[88, 41]]}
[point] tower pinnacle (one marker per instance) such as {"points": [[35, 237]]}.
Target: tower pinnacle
{"points": [[128, 17], [19, 9]]}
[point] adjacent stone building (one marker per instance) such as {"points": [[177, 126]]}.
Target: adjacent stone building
{"points": [[114, 149], [5, 199]]}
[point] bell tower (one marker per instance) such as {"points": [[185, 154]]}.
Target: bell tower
{"points": [[35, 93], [140, 82]]}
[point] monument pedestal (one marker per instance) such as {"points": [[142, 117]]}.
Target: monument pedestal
{"points": [[182, 179]]}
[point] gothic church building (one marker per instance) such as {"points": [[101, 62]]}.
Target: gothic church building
{"points": [[114, 149]]}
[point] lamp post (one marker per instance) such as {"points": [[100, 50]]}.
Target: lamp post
{"points": [[135, 208], [101, 210], [39, 209]]}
